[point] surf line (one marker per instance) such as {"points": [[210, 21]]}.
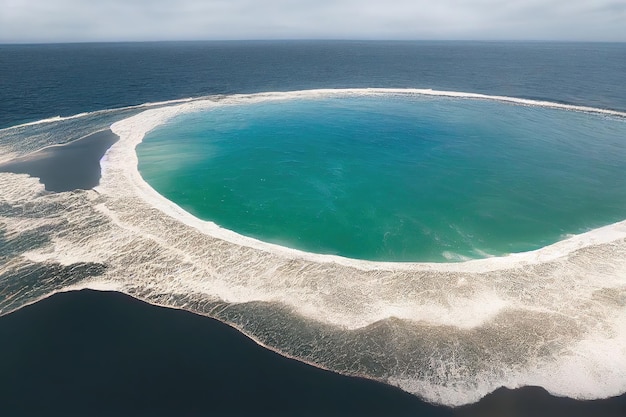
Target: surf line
{"points": [[54, 119], [293, 94]]}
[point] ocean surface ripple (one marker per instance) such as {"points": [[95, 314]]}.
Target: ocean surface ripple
{"points": [[449, 333]]}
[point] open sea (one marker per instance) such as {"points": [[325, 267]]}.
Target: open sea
{"points": [[313, 228]]}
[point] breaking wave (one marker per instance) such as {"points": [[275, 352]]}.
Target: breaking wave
{"points": [[55, 119], [449, 333]]}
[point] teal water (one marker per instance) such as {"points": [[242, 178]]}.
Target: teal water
{"points": [[394, 178]]}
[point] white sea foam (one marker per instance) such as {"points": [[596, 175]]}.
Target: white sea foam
{"points": [[55, 119], [62, 252], [450, 333]]}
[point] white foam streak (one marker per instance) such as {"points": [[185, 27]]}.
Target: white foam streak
{"points": [[62, 252], [55, 119], [236, 98]]}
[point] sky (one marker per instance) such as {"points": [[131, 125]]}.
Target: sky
{"points": [[23, 21]]}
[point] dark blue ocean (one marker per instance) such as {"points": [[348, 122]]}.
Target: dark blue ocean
{"points": [[40, 81], [107, 354]]}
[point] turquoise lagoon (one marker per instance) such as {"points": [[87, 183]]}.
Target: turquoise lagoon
{"points": [[393, 177]]}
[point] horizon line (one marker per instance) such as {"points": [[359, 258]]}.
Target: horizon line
{"points": [[267, 40]]}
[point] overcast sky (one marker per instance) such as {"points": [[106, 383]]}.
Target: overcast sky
{"points": [[119, 20]]}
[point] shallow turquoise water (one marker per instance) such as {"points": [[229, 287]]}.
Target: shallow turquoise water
{"points": [[392, 177]]}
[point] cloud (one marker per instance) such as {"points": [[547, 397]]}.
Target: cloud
{"points": [[84, 20]]}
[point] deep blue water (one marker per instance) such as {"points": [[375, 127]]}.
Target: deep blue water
{"points": [[40, 81]]}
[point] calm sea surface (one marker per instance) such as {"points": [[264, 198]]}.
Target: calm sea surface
{"points": [[40, 81]]}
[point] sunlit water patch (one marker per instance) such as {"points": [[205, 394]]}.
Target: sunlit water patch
{"points": [[393, 177], [447, 332]]}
